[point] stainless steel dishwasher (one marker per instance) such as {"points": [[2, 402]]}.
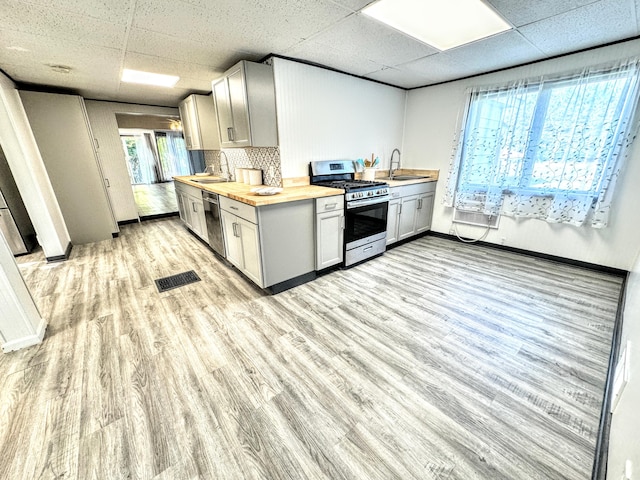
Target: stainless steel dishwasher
{"points": [[214, 223]]}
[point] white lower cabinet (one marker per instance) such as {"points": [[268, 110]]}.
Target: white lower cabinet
{"points": [[410, 211], [191, 209], [272, 245], [329, 231], [392, 219], [242, 245]]}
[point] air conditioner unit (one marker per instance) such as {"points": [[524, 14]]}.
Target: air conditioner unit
{"points": [[475, 218]]}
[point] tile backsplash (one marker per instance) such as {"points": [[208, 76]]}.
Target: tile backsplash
{"points": [[266, 159]]}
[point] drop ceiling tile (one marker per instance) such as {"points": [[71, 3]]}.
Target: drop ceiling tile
{"points": [[114, 11], [523, 12], [360, 36], [141, 94], [186, 50], [437, 68], [595, 24], [40, 52], [318, 53], [398, 77], [150, 63], [76, 82], [500, 51], [261, 26], [56, 24], [355, 5]]}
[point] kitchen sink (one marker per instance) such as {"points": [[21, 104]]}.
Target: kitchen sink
{"points": [[208, 180], [404, 177]]}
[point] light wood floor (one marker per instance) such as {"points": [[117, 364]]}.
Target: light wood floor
{"points": [[436, 361], [155, 199]]}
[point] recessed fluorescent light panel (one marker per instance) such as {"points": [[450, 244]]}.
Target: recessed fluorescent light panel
{"points": [[443, 24], [146, 78]]}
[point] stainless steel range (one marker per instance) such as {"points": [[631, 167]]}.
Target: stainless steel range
{"points": [[366, 207]]}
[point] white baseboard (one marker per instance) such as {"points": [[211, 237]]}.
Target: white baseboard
{"points": [[28, 341]]}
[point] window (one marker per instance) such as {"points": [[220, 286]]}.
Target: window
{"points": [[548, 148]]}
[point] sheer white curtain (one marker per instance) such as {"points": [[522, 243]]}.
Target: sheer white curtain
{"points": [[174, 158], [140, 158], [547, 148]]}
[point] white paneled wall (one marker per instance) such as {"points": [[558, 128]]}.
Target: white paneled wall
{"points": [[431, 119], [325, 115], [102, 117]]}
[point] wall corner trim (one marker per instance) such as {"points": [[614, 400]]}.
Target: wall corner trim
{"points": [[27, 341], [61, 258]]}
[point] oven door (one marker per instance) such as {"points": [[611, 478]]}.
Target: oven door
{"points": [[366, 221]]}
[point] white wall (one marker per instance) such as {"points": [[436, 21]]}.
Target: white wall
{"points": [[325, 115], [102, 117], [29, 172], [20, 323], [624, 442], [431, 120]]}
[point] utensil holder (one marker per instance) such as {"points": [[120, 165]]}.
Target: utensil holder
{"points": [[369, 174], [255, 176]]}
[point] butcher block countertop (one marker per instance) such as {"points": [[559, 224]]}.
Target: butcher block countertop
{"points": [[242, 192]]}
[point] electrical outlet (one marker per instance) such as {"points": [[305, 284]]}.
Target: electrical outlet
{"points": [[620, 376], [628, 470]]}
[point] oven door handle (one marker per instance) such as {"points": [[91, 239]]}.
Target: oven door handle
{"points": [[367, 201]]}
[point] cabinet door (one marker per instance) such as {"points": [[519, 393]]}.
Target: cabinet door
{"points": [[186, 122], [198, 222], [223, 112], [233, 245], [239, 109], [424, 212], [407, 218], [392, 221], [329, 238], [250, 250], [184, 207]]}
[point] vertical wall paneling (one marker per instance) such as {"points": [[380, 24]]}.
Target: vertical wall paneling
{"points": [[328, 115]]}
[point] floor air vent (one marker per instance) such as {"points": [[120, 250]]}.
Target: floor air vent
{"points": [[475, 218], [175, 281]]}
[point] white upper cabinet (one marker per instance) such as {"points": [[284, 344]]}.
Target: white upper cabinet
{"points": [[245, 106], [199, 125]]}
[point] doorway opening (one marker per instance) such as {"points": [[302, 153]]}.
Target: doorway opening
{"points": [[155, 152]]}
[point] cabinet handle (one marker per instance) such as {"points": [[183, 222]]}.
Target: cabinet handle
{"points": [[399, 209], [368, 248], [419, 204], [330, 206], [194, 207], [233, 208], [106, 180], [230, 134], [235, 230]]}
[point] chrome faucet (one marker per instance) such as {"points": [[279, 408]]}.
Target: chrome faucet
{"points": [[391, 169], [228, 175]]}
